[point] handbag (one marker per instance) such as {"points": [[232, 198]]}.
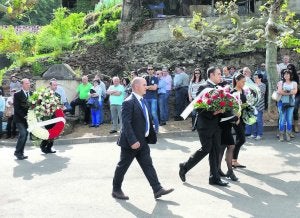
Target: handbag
{"points": [[276, 96], [93, 102]]}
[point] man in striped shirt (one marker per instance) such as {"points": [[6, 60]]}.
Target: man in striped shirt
{"points": [[257, 128]]}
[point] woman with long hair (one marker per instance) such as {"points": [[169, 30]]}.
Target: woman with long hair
{"points": [[195, 82], [287, 88], [238, 83]]}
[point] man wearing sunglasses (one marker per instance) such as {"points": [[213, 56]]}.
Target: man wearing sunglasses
{"points": [[151, 94]]}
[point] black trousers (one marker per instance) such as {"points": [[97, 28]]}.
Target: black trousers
{"points": [[240, 138], [83, 104], [144, 159], [46, 145], [210, 141], [22, 128], [11, 127]]}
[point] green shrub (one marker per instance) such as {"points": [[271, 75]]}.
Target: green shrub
{"points": [[28, 41], [59, 34], [105, 4], [10, 41], [37, 69], [109, 31]]}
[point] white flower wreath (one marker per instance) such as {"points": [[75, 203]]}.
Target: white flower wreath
{"points": [[39, 132]]}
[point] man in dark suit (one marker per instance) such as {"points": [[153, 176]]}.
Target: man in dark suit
{"points": [[46, 145], [136, 132], [209, 133], [21, 107]]}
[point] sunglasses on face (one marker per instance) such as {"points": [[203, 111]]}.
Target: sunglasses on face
{"points": [[150, 69]]}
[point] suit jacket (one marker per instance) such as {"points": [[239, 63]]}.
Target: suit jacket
{"points": [[21, 107], [134, 123], [206, 119]]}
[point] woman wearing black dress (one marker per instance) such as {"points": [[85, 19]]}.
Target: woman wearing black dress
{"points": [[227, 141], [238, 83]]}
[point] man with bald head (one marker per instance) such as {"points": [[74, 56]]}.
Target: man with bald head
{"points": [[21, 107], [136, 132], [82, 94]]}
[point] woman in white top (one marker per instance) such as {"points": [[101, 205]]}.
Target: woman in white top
{"points": [[193, 89], [287, 88]]}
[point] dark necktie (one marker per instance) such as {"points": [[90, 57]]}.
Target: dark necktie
{"points": [[145, 113], [27, 94]]}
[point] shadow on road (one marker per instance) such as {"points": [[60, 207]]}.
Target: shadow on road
{"points": [[51, 164], [167, 144], [160, 209], [258, 202]]}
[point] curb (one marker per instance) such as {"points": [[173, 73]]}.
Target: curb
{"points": [[113, 138]]}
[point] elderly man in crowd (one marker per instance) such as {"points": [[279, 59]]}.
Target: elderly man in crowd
{"points": [[181, 84], [82, 94], [116, 94]]}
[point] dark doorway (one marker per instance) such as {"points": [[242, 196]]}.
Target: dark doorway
{"points": [[69, 3]]}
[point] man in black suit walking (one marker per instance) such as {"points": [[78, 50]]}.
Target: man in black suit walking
{"points": [[136, 132], [209, 133], [21, 107]]}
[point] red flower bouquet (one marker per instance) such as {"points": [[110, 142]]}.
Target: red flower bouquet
{"points": [[216, 100]]}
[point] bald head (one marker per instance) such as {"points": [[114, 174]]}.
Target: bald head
{"points": [[139, 85]]}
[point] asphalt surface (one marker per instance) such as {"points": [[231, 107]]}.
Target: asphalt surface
{"points": [[77, 182]]}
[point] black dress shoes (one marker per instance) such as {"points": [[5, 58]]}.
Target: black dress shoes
{"points": [[119, 195], [218, 182], [182, 172], [231, 175], [21, 157], [112, 131], [162, 191], [51, 151], [47, 151]]}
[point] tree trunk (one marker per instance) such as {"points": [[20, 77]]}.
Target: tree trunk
{"points": [[271, 33], [271, 60]]}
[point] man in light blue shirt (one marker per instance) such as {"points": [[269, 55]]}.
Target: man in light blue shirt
{"points": [[162, 93], [116, 94]]}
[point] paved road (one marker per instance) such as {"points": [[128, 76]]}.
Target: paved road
{"points": [[76, 182]]}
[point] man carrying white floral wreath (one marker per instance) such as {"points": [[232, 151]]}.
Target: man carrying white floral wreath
{"points": [[21, 107]]}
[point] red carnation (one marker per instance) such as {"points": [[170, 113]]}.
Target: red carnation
{"points": [[222, 103], [209, 102], [230, 104], [222, 95], [214, 97], [207, 95], [199, 101]]}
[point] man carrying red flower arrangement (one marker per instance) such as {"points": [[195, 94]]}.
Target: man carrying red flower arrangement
{"points": [[210, 106]]}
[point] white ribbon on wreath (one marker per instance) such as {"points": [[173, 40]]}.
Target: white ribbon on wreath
{"points": [[35, 127]]}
